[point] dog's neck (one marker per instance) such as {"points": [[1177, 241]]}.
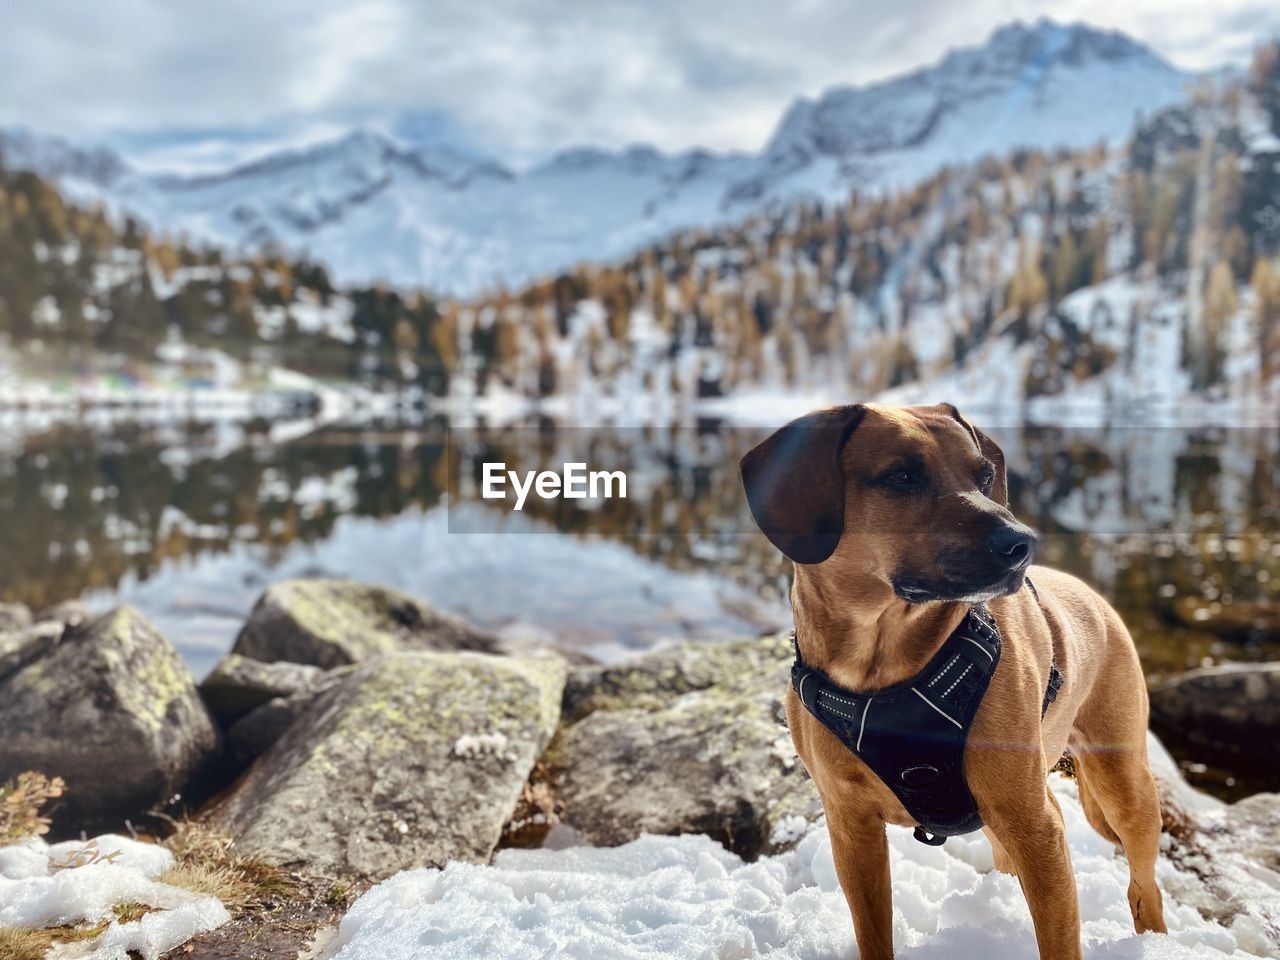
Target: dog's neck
{"points": [[860, 633]]}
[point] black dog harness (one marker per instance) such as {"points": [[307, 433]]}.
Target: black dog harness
{"points": [[912, 735]]}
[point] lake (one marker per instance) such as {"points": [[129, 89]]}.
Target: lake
{"points": [[190, 522]]}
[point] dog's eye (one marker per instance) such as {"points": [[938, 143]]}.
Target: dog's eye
{"points": [[901, 479], [986, 480]]}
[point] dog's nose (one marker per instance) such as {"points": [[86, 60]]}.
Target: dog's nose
{"points": [[1014, 544]]}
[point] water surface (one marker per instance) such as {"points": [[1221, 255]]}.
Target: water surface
{"points": [[1177, 527]]}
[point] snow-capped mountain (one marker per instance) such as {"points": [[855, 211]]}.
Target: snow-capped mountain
{"points": [[449, 219], [1041, 85]]}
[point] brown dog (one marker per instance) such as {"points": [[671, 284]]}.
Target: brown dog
{"points": [[897, 520]]}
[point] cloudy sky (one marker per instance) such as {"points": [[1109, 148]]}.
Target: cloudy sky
{"points": [[203, 83]]}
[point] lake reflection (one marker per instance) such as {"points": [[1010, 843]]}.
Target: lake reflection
{"points": [[1178, 527]]}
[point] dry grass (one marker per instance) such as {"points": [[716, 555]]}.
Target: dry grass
{"points": [[21, 944], [21, 801], [18, 944], [207, 864], [131, 911]]}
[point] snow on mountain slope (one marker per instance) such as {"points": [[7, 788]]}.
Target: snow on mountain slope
{"points": [[447, 219], [1042, 85], [438, 218]]}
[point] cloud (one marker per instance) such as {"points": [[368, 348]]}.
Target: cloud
{"points": [[518, 77]]}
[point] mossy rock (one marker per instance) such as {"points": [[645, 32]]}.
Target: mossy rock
{"points": [[113, 710], [237, 685], [331, 623], [691, 739], [413, 759]]}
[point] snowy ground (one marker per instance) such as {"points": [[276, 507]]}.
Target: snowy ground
{"points": [[686, 898], [75, 883]]}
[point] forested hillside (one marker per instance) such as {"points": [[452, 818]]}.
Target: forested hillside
{"points": [[79, 292], [1117, 276]]}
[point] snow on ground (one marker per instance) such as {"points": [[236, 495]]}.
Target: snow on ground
{"points": [[76, 883], [687, 897]]}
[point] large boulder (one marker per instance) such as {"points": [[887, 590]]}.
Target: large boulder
{"points": [[413, 759], [113, 710], [691, 739], [237, 685], [331, 623], [1231, 711]]}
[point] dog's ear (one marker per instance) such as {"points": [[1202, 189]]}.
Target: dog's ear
{"points": [[991, 450], [795, 485]]}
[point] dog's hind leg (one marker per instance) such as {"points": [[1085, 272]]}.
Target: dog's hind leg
{"points": [[1126, 795], [1092, 809], [1109, 746]]}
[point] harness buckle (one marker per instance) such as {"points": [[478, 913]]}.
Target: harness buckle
{"points": [[929, 840]]}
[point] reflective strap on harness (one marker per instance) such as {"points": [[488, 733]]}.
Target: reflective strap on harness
{"points": [[912, 735], [914, 740]]}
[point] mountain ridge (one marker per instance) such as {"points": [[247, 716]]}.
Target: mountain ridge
{"points": [[456, 221]]}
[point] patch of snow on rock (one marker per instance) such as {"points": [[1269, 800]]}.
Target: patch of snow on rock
{"points": [[480, 745]]}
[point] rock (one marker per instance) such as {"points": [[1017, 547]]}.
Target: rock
{"points": [[1229, 710], [1254, 824], [686, 740], [237, 685], [71, 613], [20, 646], [258, 730], [114, 711], [13, 616], [330, 623], [413, 759]]}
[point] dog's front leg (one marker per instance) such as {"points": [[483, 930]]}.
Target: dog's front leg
{"points": [[1032, 833], [861, 852]]}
